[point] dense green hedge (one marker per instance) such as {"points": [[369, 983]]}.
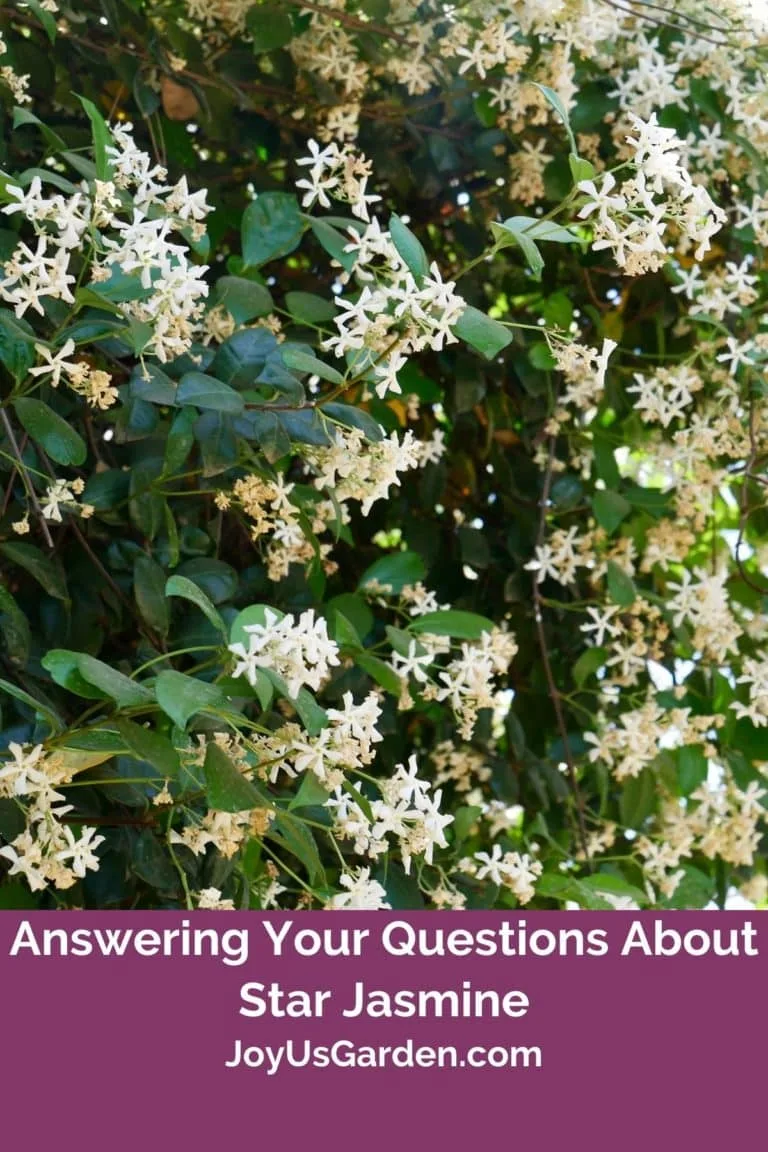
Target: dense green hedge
{"points": [[382, 453]]}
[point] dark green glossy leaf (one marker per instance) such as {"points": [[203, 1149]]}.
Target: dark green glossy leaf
{"points": [[182, 697], [208, 392], [485, 335], [228, 790], [272, 227], [54, 434]]}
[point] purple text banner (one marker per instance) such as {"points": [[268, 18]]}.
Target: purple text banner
{"points": [[380, 1031]]}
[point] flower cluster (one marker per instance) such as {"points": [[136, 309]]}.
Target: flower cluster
{"points": [[408, 811], [116, 226], [345, 744], [299, 650], [551, 448], [47, 851], [630, 219], [510, 870], [396, 313], [92, 383]]}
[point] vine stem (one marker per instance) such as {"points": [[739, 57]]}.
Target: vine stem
{"points": [[552, 689], [177, 864], [636, 8], [24, 478], [744, 508], [349, 20]]}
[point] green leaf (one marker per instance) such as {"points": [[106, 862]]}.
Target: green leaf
{"points": [[120, 288], [536, 229], [614, 885], [750, 740], [208, 392], [17, 349], [45, 18], [124, 691], [102, 138], [149, 590], [475, 549], [342, 630], [621, 587], [637, 799], [306, 427], [14, 628], [43, 709], [334, 242], [269, 26], [557, 310], [227, 788], [651, 500], [294, 836], [559, 107], [182, 697], [355, 609], [485, 335], [375, 9], [694, 890], [150, 383], [13, 893], [295, 358], [243, 299], [271, 435], [216, 579], [484, 110], [355, 418], [56, 436], [264, 689], [172, 533], [188, 590], [525, 231], [62, 663], [102, 740], [308, 308], [587, 665], [533, 257], [610, 509], [450, 622], [150, 860], [408, 247], [541, 357], [395, 571], [564, 888], [311, 793], [312, 716], [272, 227], [63, 667], [180, 441], [403, 891], [581, 169], [383, 673], [702, 94], [152, 747], [48, 572], [12, 821], [605, 461], [691, 768], [465, 819]]}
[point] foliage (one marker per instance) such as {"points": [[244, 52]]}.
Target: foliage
{"points": [[382, 384]]}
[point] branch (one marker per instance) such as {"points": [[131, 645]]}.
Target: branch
{"points": [[554, 693], [689, 30], [28, 485], [744, 504], [348, 20]]}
